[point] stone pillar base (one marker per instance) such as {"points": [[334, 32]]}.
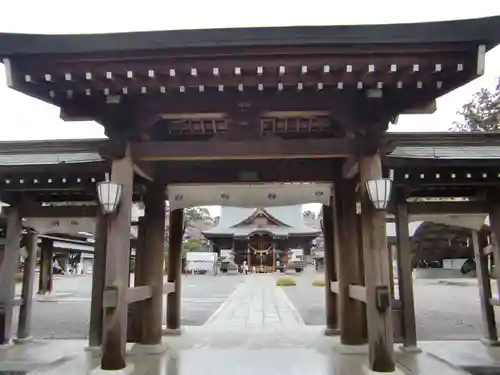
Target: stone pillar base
{"points": [[93, 349], [367, 371], [124, 371], [7, 345], [353, 349], [487, 342], [141, 349], [332, 332], [23, 340], [171, 332], [410, 349]]}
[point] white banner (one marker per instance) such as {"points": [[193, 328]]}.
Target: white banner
{"points": [[248, 195]]}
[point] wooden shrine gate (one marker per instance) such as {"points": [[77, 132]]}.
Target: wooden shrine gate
{"points": [[249, 106]]}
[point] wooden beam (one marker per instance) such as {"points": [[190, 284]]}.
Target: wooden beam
{"points": [[8, 268], [351, 319], [261, 149], [174, 276], [59, 211], [145, 170], [350, 167], [377, 273], [357, 292], [251, 171], [139, 293], [168, 287], [98, 274], [152, 263], [483, 278], [118, 268], [488, 249], [334, 287], [404, 272], [456, 208], [26, 310], [330, 242]]}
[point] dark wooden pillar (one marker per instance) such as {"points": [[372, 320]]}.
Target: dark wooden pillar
{"points": [[349, 264], [483, 278], [8, 270], [405, 278], [45, 281], [98, 275], [375, 254], [362, 267], [330, 269], [117, 269], [151, 264], [25, 310], [176, 227], [134, 329]]}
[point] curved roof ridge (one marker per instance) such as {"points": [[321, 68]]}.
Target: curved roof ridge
{"points": [[484, 30]]}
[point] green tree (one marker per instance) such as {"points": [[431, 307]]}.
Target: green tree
{"points": [[192, 214], [193, 244], [481, 113]]}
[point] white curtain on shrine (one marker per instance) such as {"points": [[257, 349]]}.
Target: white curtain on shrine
{"points": [[248, 195]]}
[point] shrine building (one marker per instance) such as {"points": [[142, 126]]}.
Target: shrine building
{"points": [[262, 236]]}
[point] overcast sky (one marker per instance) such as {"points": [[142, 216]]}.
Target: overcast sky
{"points": [[23, 118]]}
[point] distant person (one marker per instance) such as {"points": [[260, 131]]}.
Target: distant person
{"points": [[278, 264], [245, 268]]}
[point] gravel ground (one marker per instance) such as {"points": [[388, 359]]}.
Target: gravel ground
{"points": [[69, 317], [445, 309]]}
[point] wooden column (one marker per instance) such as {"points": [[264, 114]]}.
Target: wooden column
{"points": [[375, 254], [274, 259], [151, 265], [174, 271], [25, 310], [134, 329], [494, 214], [98, 275], [330, 269], [45, 281], [349, 264], [362, 269], [117, 269], [483, 278], [405, 272], [8, 269]]}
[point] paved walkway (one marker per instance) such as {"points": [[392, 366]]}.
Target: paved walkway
{"points": [[257, 304]]}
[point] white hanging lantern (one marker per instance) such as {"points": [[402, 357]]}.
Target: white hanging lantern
{"points": [[109, 195], [379, 192]]}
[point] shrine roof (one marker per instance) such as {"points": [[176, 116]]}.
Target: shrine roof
{"points": [[445, 145], [482, 30], [289, 216], [71, 151]]}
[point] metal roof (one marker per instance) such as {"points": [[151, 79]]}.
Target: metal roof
{"points": [[446, 152], [477, 31], [46, 158]]}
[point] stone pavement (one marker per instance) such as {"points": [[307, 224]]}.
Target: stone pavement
{"points": [[257, 331], [257, 304]]}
